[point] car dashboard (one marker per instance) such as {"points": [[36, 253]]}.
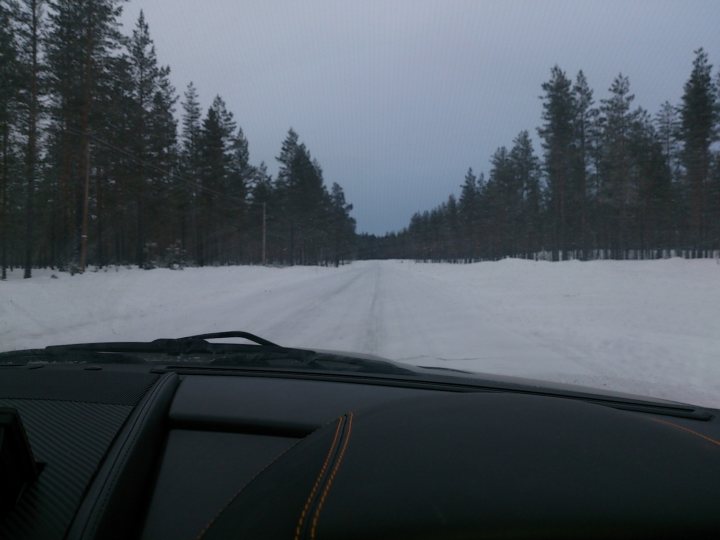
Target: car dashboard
{"points": [[142, 451]]}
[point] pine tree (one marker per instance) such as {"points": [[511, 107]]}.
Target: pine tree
{"points": [[667, 126], [557, 134], [468, 210], [144, 73], [190, 163], [305, 197], [452, 229], [502, 197], [342, 226], [190, 126], [9, 97], [618, 190], [653, 228], [283, 186], [285, 158], [584, 135], [163, 156], [698, 116], [242, 176], [82, 39], [212, 171], [112, 203], [667, 129], [526, 195], [31, 23]]}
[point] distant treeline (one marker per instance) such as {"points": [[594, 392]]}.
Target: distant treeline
{"points": [[612, 181], [94, 169]]}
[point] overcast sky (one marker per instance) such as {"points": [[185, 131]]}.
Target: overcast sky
{"points": [[396, 99]]}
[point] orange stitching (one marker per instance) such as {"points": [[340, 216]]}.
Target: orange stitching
{"points": [[317, 480], [678, 426], [332, 477]]}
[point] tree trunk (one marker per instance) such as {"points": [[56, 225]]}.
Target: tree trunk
{"points": [[100, 251], [32, 143], [4, 205], [85, 168]]}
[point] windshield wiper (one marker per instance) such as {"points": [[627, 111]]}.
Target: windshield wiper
{"points": [[132, 351], [79, 356], [175, 346], [196, 349], [308, 360]]}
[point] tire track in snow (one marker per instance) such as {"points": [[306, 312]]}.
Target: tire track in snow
{"points": [[372, 327], [319, 320]]}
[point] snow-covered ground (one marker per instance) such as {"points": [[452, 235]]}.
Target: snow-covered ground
{"points": [[646, 327]]}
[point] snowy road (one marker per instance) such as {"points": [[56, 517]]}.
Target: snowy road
{"points": [[646, 327]]}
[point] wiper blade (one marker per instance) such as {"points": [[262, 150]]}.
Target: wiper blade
{"points": [[309, 360], [79, 356], [174, 346], [260, 353]]}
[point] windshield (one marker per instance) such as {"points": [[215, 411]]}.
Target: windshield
{"points": [[514, 188]]}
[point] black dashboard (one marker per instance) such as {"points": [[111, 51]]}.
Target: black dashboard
{"points": [[135, 451]]}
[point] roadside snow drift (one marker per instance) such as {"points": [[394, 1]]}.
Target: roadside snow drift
{"points": [[647, 327]]}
